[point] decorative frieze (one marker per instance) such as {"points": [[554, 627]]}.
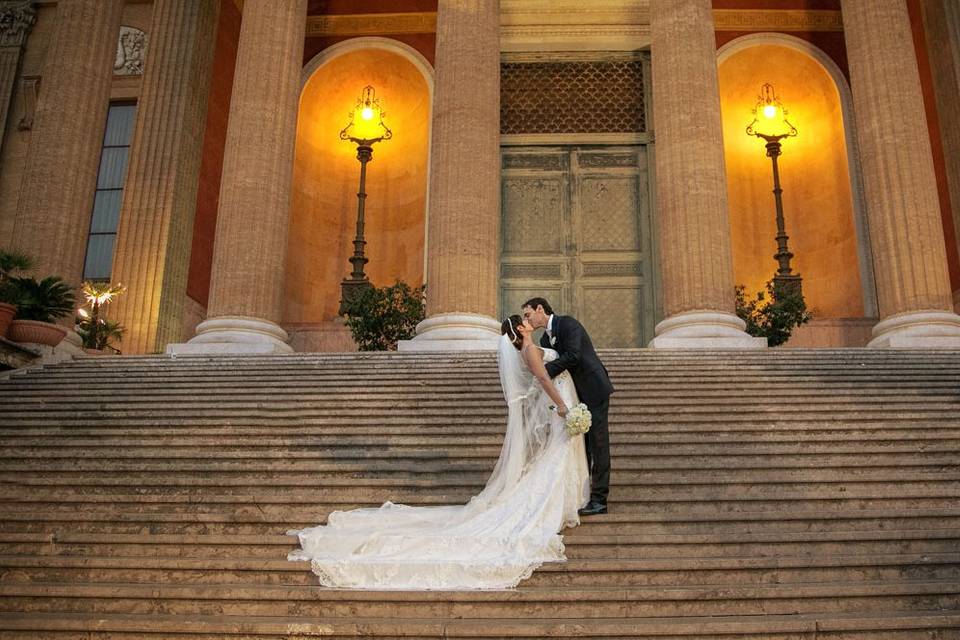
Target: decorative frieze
{"points": [[131, 52], [371, 24], [607, 160], [776, 20]]}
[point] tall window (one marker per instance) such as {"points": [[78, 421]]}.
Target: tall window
{"points": [[109, 196]]}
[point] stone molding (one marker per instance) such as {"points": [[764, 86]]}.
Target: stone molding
{"points": [[234, 334], [933, 329], [704, 330], [16, 21], [454, 332]]}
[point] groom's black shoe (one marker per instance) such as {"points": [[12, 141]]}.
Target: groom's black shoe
{"points": [[593, 508]]}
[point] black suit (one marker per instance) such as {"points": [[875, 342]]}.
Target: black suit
{"points": [[577, 355]]}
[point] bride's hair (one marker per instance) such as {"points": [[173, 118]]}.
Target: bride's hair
{"points": [[509, 329]]}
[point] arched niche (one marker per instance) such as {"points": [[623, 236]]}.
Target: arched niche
{"points": [[819, 168], [326, 176]]}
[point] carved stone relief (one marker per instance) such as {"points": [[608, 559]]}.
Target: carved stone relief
{"points": [[131, 52]]}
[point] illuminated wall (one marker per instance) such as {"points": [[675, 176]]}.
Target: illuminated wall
{"points": [[326, 175], [815, 179]]}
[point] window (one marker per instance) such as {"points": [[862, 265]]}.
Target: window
{"points": [[109, 195]]}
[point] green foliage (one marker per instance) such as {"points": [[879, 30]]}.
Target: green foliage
{"points": [[773, 314], [379, 317], [11, 262], [47, 300], [95, 331]]}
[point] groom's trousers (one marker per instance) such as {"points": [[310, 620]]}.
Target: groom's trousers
{"points": [[597, 441]]}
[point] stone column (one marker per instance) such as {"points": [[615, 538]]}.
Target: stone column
{"points": [[16, 21], [152, 254], [249, 254], [56, 195], [691, 197], [463, 231], [913, 286]]}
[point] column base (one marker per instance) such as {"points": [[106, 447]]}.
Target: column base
{"points": [[704, 330], [231, 335], [454, 332], [918, 330]]}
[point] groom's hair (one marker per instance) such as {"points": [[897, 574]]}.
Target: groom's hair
{"points": [[533, 303]]}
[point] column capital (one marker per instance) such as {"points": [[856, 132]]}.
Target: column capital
{"points": [[16, 21]]}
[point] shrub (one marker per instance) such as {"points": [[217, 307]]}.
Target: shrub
{"points": [[773, 314], [379, 317]]}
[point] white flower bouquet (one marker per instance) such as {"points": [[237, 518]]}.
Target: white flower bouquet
{"points": [[579, 420]]}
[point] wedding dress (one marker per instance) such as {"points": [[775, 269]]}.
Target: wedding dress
{"points": [[495, 540]]}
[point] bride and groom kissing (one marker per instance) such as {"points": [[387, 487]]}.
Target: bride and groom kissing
{"points": [[544, 480]]}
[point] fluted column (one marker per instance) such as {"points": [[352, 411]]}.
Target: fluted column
{"points": [[913, 286], [56, 195], [464, 218], [152, 255], [691, 197], [249, 253], [16, 21]]}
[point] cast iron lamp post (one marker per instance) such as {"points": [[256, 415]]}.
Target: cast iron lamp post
{"points": [[366, 127], [770, 123]]}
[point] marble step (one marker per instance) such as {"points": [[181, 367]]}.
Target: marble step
{"points": [[173, 596], [892, 625]]}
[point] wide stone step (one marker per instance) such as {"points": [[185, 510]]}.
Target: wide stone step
{"points": [[529, 603], [892, 625], [580, 543], [611, 524]]}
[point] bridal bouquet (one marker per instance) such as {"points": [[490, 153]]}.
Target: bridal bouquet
{"points": [[579, 420]]}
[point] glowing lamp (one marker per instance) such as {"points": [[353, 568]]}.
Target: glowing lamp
{"points": [[366, 124], [770, 116]]}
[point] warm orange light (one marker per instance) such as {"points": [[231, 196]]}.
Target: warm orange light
{"points": [[366, 120], [775, 123]]}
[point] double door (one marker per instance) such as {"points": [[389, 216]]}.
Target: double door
{"points": [[576, 229]]}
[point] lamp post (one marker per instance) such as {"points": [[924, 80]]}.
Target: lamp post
{"points": [[365, 128], [770, 115]]}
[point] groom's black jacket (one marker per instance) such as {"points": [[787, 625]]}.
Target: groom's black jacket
{"points": [[577, 355]]}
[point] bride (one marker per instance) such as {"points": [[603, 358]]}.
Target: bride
{"points": [[502, 534]]}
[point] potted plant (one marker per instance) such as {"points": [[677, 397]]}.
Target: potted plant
{"points": [[96, 332], [380, 317], [9, 293], [39, 304]]}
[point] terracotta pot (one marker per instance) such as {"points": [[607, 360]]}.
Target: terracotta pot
{"points": [[97, 352], [36, 332], [7, 311]]}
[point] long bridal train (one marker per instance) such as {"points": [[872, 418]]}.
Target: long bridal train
{"points": [[495, 540]]}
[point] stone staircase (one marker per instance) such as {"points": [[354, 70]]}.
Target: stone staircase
{"points": [[779, 495]]}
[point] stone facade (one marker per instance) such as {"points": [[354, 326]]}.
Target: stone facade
{"points": [[60, 66]]}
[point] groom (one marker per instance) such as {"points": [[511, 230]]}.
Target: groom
{"points": [[576, 355]]}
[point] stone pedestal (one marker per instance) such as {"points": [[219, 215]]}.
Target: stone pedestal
{"points": [[696, 268], [246, 288], [152, 254], [56, 195], [464, 226], [913, 286]]}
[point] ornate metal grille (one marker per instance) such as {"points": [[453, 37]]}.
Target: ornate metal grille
{"points": [[604, 96]]}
